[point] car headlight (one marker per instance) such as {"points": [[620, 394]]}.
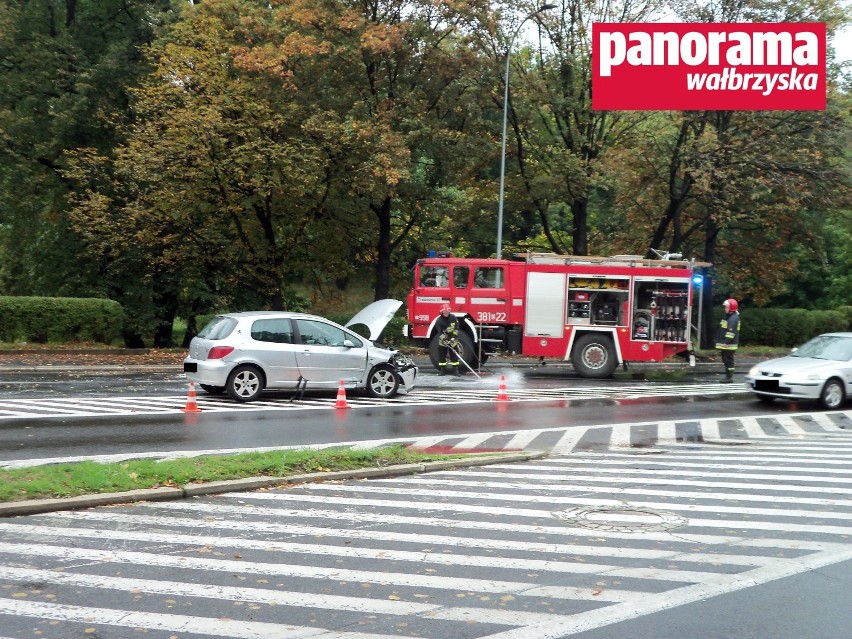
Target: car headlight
{"points": [[754, 371]]}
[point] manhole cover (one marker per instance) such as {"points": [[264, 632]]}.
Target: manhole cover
{"points": [[621, 518]]}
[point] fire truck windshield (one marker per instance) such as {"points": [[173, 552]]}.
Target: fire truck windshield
{"points": [[434, 276]]}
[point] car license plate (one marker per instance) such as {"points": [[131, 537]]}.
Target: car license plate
{"points": [[768, 385], [190, 367]]}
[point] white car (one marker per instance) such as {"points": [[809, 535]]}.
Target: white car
{"points": [[242, 354], [820, 369]]}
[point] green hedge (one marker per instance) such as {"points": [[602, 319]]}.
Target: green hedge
{"points": [[787, 327], [58, 320]]}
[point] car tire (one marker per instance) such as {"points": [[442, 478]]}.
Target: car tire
{"points": [[383, 382], [245, 383], [833, 395], [593, 356], [467, 348], [766, 399], [212, 390]]}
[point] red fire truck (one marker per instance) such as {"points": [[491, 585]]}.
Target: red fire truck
{"points": [[596, 311]]}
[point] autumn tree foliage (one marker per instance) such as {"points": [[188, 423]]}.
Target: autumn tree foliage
{"points": [[225, 154]]}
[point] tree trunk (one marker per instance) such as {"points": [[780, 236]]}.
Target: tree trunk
{"points": [[383, 249], [165, 299], [164, 329], [191, 331], [707, 324], [580, 226], [133, 340], [70, 12]]}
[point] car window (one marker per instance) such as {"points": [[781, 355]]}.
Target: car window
{"points": [[218, 328], [488, 277], [833, 347], [277, 331], [314, 332]]}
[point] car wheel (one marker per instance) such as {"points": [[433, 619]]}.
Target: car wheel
{"points": [[245, 383], [766, 399], [382, 382], [212, 390], [594, 356], [832, 396]]}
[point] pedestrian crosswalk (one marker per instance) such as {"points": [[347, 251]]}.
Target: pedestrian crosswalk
{"points": [[47, 407], [534, 550], [642, 437]]}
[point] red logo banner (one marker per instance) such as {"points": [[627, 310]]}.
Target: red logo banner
{"points": [[709, 66]]}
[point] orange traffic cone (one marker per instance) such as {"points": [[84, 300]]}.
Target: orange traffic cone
{"points": [[191, 404], [502, 395], [341, 396]]}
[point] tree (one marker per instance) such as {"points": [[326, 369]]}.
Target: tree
{"points": [[63, 65], [557, 138]]}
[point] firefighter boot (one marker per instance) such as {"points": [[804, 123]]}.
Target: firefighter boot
{"points": [[442, 369], [455, 368], [729, 376]]}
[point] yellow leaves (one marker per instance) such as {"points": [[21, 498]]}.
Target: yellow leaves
{"points": [[350, 22], [382, 38], [305, 45]]}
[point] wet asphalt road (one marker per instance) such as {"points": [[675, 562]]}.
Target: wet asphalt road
{"points": [[120, 434]]}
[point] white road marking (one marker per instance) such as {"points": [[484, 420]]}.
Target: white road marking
{"points": [[23, 408], [650, 603], [335, 574], [568, 440], [219, 627], [530, 499], [474, 546]]}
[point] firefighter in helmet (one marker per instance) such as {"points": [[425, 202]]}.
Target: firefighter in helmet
{"points": [[447, 326], [728, 336]]}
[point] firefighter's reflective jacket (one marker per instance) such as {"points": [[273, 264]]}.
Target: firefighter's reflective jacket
{"points": [[448, 330], [728, 335]]}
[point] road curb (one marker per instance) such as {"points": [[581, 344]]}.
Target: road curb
{"points": [[36, 506]]}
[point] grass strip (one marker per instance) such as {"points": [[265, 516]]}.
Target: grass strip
{"points": [[87, 478]]}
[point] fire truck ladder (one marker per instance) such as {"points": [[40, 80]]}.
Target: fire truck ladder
{"points": [[480, 328], [667, 259]]}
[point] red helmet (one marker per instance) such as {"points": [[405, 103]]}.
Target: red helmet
{"points": [[446, 307], [731, 303]]}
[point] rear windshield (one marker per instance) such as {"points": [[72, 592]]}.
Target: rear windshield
{"points": [[218, 328]]}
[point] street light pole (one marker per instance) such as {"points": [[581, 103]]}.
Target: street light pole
{"points": [[545, 7]]}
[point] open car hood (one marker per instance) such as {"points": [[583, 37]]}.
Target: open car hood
{"points": [[376, 316]]}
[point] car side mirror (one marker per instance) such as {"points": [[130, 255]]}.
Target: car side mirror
{"points": [[348, 343]]}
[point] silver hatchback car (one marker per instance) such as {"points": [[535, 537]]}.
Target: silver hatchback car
{"points": [[242, 354], [820, 369]]}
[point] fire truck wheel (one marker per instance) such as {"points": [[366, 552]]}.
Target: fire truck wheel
{"points": [[467, 349], [594, 356]]}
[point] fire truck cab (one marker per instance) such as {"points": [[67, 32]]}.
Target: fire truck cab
{"points": [[596, 312]]}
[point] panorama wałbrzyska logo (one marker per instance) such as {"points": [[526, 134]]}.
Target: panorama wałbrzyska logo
{"points": [[709, 66]]}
